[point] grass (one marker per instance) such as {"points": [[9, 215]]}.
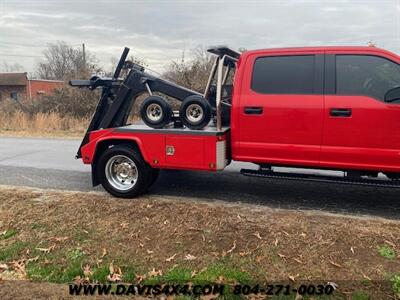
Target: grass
{"points": [[360, 295], [12, 252], [9, 233], [396, 284], [41, 124], [387, 252], [157, 240]]}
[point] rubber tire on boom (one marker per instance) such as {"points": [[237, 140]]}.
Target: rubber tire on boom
{"points": [[156, 112], [195, 112], [145, 176]]}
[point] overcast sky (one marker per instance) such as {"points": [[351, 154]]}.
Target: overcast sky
{"points": [[158, 31]]}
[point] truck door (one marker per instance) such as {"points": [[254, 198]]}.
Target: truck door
{"points": [[361, 130], [281, 108]]}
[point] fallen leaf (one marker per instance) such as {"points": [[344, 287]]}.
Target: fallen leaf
{"points": [[332, 284], [390, 243], [366, 277], [124, 225], [114, 277], [281, 255], [292, 278], [299, 297], [60, 239], [287, 234], [87, 271], [149, 251], [111, 268], [257, 235], [194, 273], [352, 250], [46, 250], [19, 266], [104, 253], [33, 259], [303, 234], [335, 264], [3, 267], [140, 278], [276, 242], [298, 260], [190, 257], [171, 258], [233, 247], [154, 273], [78, 280]]}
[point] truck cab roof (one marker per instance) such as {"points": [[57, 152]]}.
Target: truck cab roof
{"points": [[331, 49]]}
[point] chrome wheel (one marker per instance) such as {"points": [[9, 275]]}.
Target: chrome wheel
{"points": [[194, 113], [154, 112], [121, 172]]}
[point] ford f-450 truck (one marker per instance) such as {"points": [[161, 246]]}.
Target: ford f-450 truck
{"points": [[335, 108]]}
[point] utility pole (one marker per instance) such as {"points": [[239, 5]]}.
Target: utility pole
{"points": [[84, 56]]}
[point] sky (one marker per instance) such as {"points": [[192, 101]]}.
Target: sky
{"points": [[159, 31]]}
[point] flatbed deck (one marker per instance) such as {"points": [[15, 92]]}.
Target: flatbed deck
{"points": [[210, 129]]}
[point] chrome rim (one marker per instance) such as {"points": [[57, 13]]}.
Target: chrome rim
{"points": [[121, 172], [194, 113], [154, 112]]}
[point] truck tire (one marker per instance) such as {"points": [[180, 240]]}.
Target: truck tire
{"points": [[156, 112], [123, 172], [195, 112]]}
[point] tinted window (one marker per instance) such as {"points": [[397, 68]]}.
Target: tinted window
{"points": [[366, 75], [284, 75]]}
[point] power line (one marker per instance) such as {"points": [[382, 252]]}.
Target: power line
{"points": [[34, 45], [20, 55]]}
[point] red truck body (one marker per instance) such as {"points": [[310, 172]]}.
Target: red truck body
{"points": [[328, 125], [292, 130]]}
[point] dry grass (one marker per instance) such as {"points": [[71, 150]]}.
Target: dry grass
{"points": [[19, 123], [189, 240]]}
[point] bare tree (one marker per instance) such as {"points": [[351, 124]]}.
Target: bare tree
{"points": [[62, 61], [191, 73], [11, 67]]}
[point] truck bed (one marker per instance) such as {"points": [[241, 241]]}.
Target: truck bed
{"points": [[139, 127]]}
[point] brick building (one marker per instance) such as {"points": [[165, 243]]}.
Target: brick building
{"points": [[18, 86]]}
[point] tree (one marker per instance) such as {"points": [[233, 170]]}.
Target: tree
{"points": [[191, 73], [9, 68], [62, 62]]}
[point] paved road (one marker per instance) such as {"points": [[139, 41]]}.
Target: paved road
{"points": [[50, 163]]}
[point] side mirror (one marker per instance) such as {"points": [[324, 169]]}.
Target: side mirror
{"points": [[393, 94]]}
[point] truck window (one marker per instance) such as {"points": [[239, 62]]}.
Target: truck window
{"points": [[366, 75], [284, 74]]}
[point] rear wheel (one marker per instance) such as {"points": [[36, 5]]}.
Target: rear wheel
{"points": [[123, 172], [156, 112], [195, 112]]}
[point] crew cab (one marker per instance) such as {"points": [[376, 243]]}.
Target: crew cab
{"points": [[335, 108]]}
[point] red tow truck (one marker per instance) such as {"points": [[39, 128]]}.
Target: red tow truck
{"points": [[334, 108]]}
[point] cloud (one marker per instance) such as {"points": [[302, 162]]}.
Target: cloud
{"points": [[158, 31]]}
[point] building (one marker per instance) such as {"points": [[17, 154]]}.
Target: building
{"points": [[17, 86]]}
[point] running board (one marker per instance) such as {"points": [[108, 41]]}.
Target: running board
{"points": [[321, 178]]}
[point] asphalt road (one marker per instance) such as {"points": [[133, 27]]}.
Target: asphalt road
{"points": [[50, 163]]}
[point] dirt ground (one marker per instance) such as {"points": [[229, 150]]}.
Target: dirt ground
{"points": [[55, 236]]}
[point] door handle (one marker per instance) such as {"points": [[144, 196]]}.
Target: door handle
{"points": [[341, 112], [253, 110]]}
